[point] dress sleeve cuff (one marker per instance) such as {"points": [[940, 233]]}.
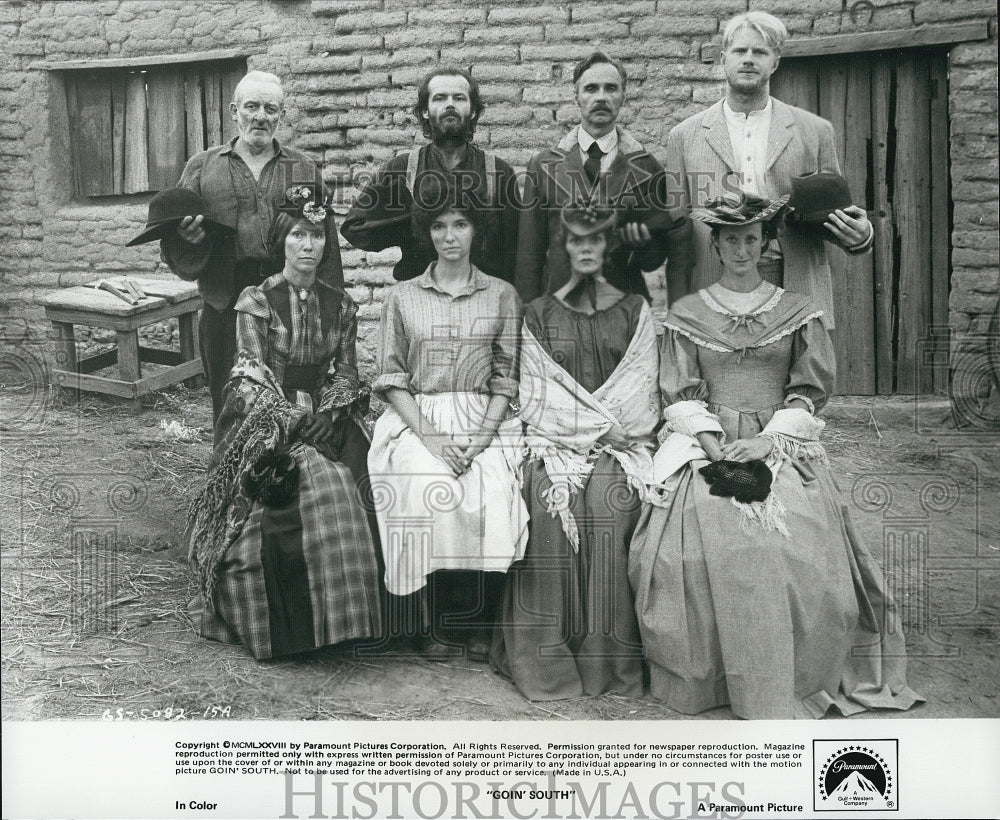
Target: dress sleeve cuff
{"points": [[339, 392], [691, 418], [809, 402], [794, 433]]}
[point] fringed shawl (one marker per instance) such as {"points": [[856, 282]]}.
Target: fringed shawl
{"points": [[256, 418], [564, 421]]}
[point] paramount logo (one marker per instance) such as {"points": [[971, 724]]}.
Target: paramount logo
{"points": [[855, 775], [856, 790]]}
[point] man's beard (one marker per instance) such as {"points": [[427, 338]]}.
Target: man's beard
{"points": [[458, 129]]}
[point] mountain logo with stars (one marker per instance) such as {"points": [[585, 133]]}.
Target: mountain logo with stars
{"points": [[855, 775]]}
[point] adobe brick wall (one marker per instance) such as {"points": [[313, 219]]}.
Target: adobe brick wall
{"points": [[350, 67]]}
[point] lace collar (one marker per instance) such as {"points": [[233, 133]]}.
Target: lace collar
{"points": [[748, 318]]}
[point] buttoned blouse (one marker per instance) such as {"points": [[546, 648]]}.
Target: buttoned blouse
{"points": [[748, 134], [433, 342], [320, 329]]}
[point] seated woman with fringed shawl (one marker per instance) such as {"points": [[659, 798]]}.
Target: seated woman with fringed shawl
{"points": [[284, 551], [589, 400], [752, 588]]}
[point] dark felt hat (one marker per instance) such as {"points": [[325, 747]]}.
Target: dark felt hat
{"points": [[586, 219], [167, 209], [815, 196]]}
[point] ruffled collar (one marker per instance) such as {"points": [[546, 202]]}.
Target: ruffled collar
{"points": [[708, 326], [762, 299]]}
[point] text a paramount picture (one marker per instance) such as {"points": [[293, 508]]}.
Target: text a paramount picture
{"points": [[427, 409]]}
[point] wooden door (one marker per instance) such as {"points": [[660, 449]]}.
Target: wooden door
{"points": [[890, 113]]}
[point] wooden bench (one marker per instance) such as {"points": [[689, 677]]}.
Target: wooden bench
{"points": [[85, 305]]}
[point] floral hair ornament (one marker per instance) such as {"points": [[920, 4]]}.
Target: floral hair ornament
{"points": [[584, 218], [305, 200], [740, 209]]}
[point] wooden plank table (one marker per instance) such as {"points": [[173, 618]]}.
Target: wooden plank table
{"points": [[85, 305]]}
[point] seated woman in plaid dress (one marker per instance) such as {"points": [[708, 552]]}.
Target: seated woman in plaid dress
{"points": [[286, 557]]}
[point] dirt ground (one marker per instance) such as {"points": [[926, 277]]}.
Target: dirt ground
{"points": [[95, 585]]}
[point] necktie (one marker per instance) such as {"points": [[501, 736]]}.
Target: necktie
{"points": [[305, 319], [592, 167]]}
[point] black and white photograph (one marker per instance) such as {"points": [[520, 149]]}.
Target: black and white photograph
{"points": [[427, 408]]}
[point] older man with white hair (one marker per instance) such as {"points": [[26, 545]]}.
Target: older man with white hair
{"points": [[752, 143], [242, 183]]}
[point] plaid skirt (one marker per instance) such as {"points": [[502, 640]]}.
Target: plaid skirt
{"points": [[301, 575]]}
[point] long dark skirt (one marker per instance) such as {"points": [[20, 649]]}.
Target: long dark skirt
{"points": [[304, 574], [567, 623]]}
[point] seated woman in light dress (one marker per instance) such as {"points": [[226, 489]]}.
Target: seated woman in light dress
{"points": [[280, 539], [752, 587], [446, 450], [590, 401]]}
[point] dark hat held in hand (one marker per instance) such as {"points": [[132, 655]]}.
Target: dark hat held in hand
{"points": [[746, 481], [815, 196], [166, 211]]}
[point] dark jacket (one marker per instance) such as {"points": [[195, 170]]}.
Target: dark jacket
{"points": [[634, 185], [381, 216]]}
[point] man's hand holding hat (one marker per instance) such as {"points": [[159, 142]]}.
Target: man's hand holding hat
{"points": [[189, 229], [825, 199], [850, 225]]}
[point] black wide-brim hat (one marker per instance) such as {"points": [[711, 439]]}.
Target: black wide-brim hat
{"points": [[815, 196], [166, 211]]}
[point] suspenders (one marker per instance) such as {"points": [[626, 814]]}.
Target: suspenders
{"points": [[491, 172]]}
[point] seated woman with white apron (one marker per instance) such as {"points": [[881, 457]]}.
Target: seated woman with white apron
{"points": [[445, 452]]}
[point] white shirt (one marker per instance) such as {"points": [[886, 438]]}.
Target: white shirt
{"points": [[748, 136], [608, 144]]}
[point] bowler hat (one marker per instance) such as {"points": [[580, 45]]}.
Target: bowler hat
{"points": [[815, 196], [167, 209]]}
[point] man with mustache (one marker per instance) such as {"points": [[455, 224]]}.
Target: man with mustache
{"points": [[597, 162], [448, 108], [753, 143], [242, 184]]}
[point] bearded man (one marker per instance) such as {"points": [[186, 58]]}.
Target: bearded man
{"points": [[448, 108]]}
